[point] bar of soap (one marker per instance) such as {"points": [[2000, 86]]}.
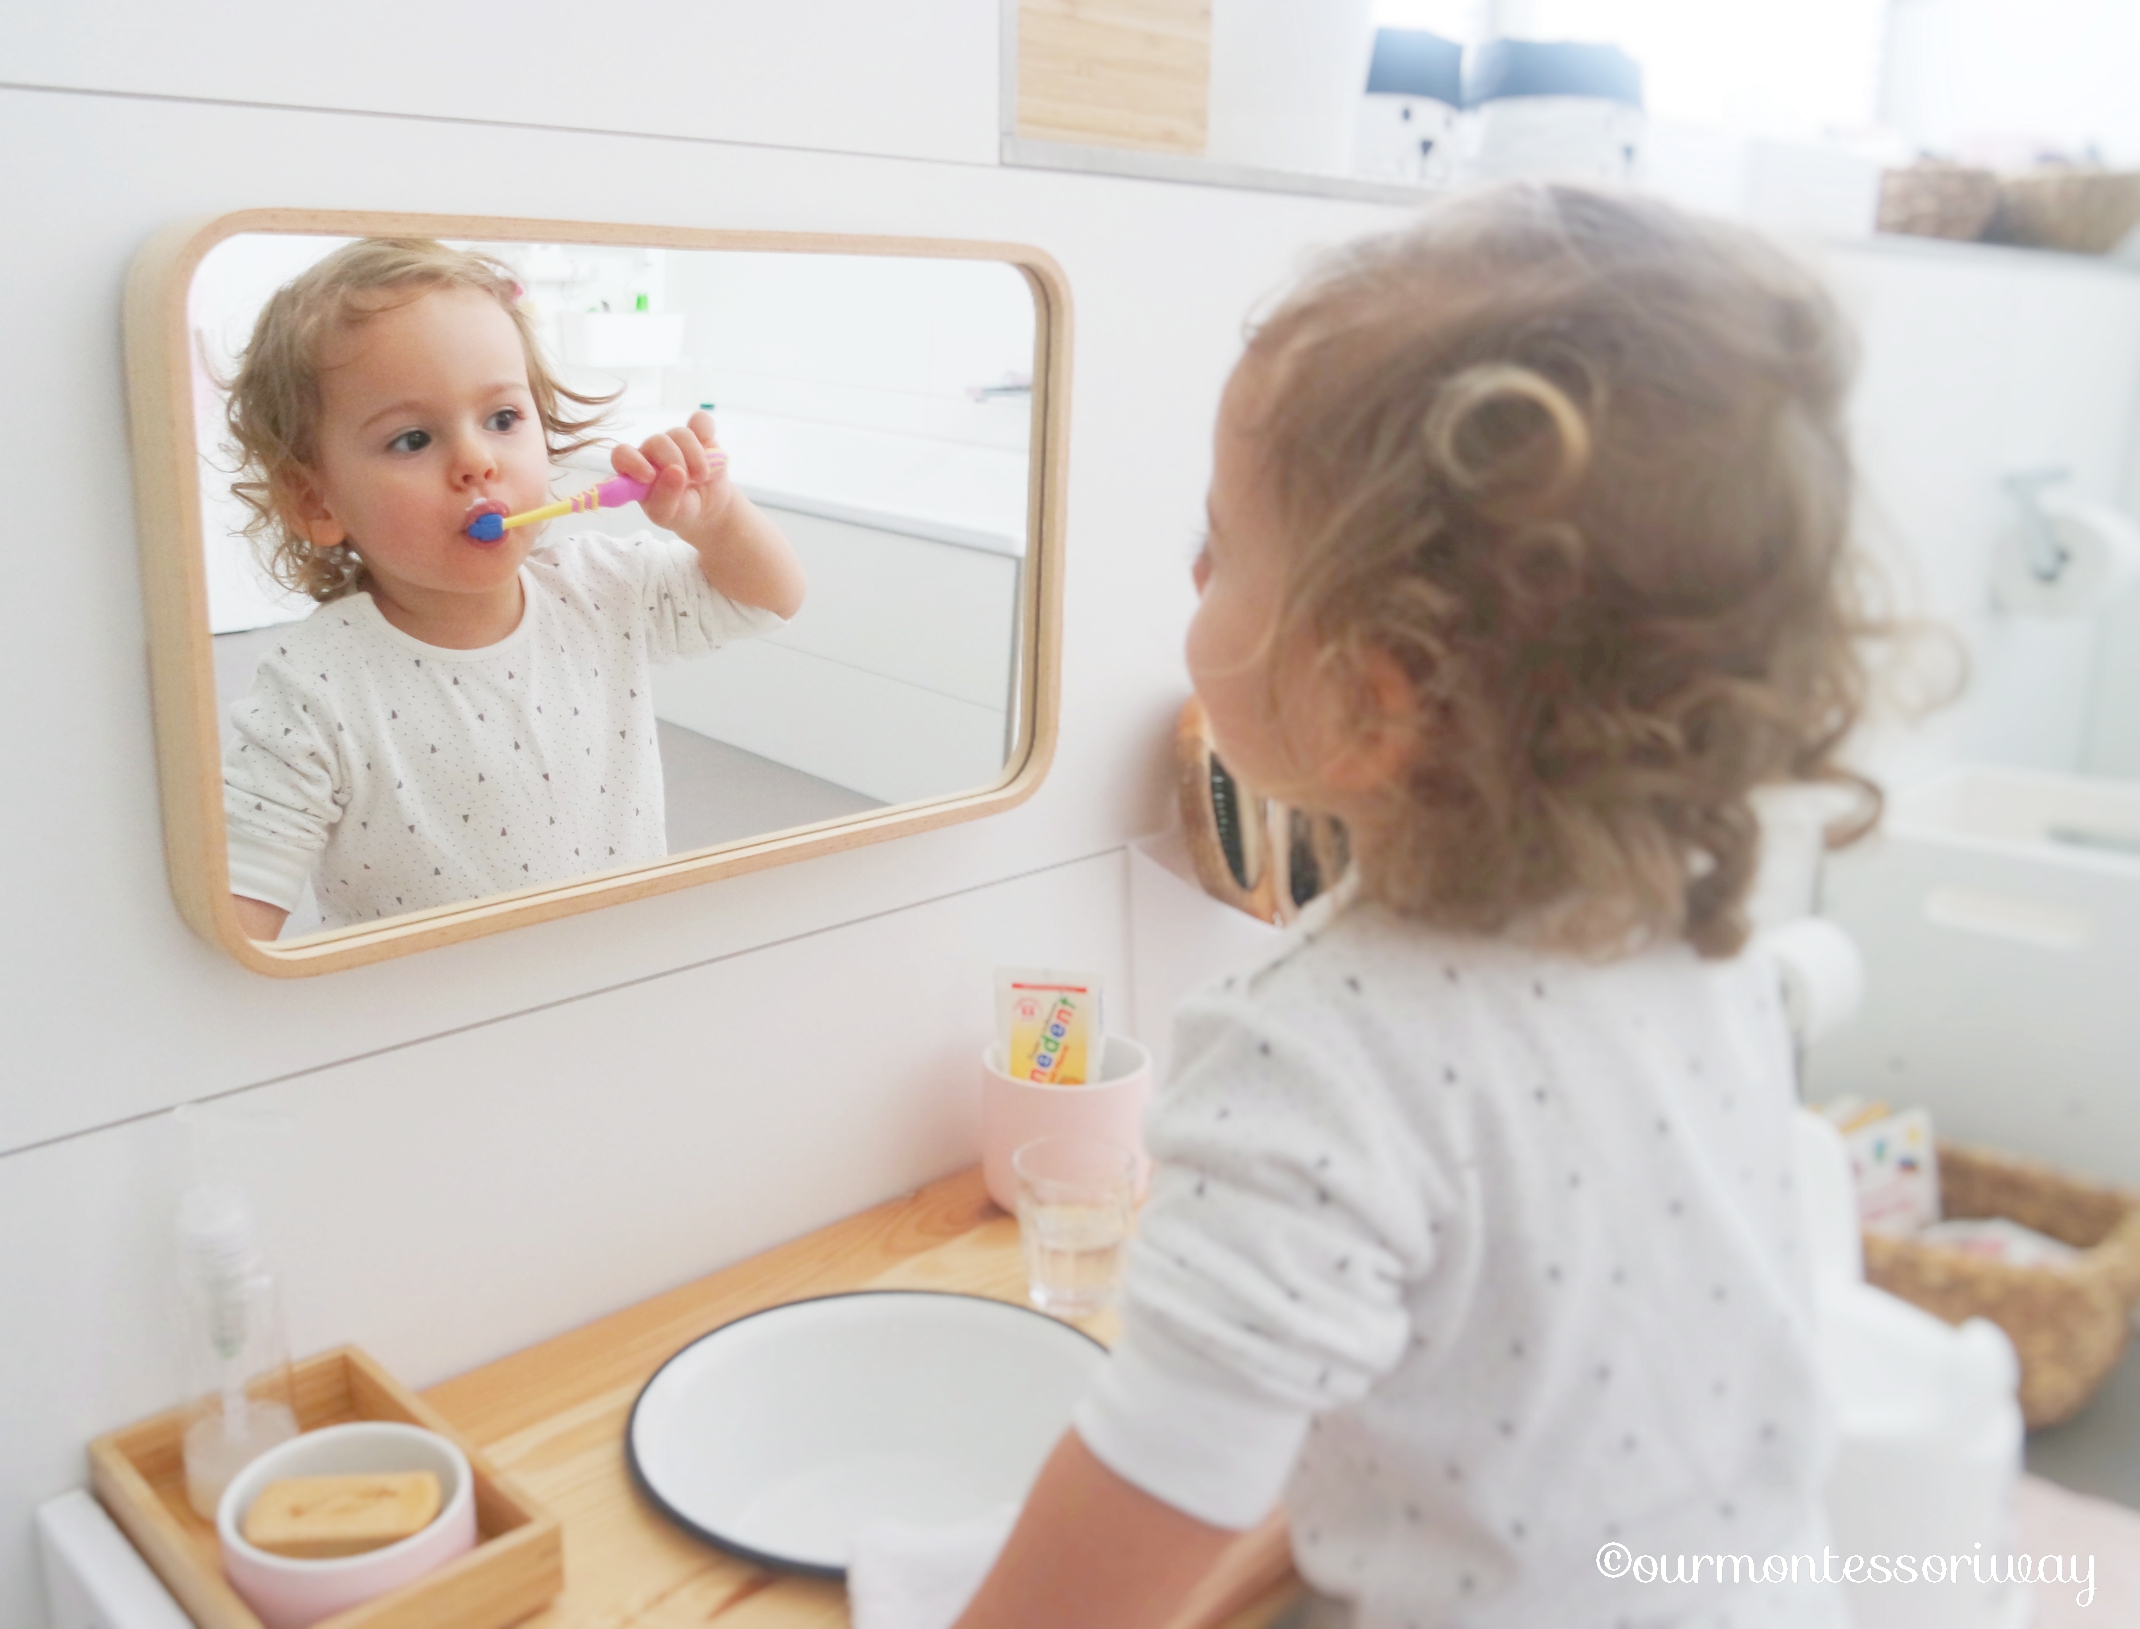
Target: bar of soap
{"points": [[315, 1518]]}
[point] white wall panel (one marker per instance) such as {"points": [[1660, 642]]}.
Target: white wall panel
{"points": [[931, 614], [918, 78], [887, 739], [115, 1009]]}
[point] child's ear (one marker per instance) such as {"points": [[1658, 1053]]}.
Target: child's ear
{"points": [[305, 511], [1383, 732]]}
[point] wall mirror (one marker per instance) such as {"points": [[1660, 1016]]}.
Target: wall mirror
{"points": [[892, 409]]}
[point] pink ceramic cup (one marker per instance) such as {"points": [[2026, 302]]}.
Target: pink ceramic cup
{"points": [[1016, 1112], [291, 1594]]}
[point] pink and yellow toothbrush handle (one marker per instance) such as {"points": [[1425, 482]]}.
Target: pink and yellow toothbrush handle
{"points": [[613, 493]]}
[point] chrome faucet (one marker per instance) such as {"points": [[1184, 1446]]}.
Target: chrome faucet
{"points": [[2047, 557]]}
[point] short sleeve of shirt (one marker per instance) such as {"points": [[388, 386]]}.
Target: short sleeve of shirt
{"points": [[1267, 1283]]}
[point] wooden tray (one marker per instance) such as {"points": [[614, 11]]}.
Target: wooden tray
{"points": [[516, 1568]]}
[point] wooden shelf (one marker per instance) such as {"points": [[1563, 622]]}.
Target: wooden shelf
{"points": [[553, 1418], [1122, 88]]}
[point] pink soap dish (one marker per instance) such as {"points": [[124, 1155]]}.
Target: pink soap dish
{"points": [[295, 1594]]}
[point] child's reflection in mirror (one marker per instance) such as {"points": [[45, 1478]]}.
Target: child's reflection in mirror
{"points": [[458, 718]]}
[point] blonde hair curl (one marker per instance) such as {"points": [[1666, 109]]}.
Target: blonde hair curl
{"points": [[1575, 461], [273, 406]]}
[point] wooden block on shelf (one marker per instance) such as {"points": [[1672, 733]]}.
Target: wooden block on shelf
{"points": [[516, 1568], [1115, 73]]}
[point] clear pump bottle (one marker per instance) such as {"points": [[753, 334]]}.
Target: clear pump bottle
{"points": [[238, 1360]]}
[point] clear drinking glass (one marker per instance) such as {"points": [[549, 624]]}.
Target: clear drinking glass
{"points": [[1076, 1202]]}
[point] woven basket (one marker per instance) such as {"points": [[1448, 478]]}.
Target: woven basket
{"points": [[2068, 1325], [1931, 200], [2083, 211]]}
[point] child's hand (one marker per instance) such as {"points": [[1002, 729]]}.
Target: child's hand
{"points": [[740, 552], [687, 473]]}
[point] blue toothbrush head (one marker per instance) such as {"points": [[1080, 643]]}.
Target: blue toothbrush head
{"points": [[487, 528]]}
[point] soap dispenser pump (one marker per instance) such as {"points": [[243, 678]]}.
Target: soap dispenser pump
{"points": [[237, 1356]]}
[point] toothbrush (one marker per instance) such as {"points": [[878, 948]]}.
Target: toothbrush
{"points": [[613, 493]]}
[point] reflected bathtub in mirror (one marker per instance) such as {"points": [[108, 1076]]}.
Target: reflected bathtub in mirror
{"points": [[833, 623]]}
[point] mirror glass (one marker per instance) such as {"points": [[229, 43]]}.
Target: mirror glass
{"points": [[878, 414]]}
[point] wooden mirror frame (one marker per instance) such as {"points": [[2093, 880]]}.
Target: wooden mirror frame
{"points": [[167, 495]]}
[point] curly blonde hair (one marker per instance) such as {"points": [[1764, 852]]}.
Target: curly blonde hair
{"points": [[273, 407], [1576, 462]]}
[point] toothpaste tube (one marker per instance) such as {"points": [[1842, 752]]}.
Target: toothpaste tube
{"points": [[1049, 1025]]}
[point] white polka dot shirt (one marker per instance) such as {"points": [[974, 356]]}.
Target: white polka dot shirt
{"points": [[401, 775], [1484, 1259]]}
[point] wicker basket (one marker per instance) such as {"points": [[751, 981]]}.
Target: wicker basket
{"points": [[2085, 212], [2068, 1325], [1932, 200]]}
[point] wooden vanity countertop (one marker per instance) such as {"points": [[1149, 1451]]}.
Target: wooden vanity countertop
{"points": [[553, 1417]]}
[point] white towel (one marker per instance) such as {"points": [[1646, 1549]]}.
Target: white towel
{"points": [[902, 1577]]}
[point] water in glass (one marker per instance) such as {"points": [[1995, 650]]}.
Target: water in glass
{"points": [[1073, 1255]]}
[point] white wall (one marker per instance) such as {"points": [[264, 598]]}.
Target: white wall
{"points": [[917, 78], [2058, 71], [562, 1120], [894, 345]]}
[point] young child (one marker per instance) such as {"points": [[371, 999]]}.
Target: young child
{"points": [[458, 718], [1473, 1233]]}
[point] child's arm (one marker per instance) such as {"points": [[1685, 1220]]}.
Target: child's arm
{"points": [[742, 554], [1093, 1551], [282, 780], [1256, 1300], [258, 918]]}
